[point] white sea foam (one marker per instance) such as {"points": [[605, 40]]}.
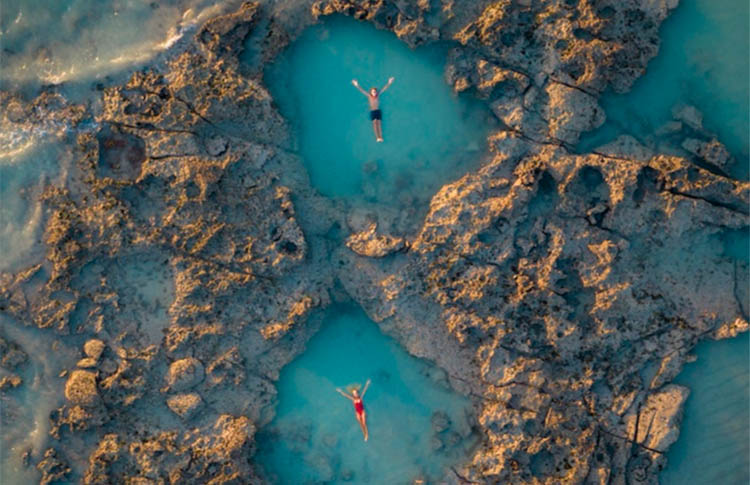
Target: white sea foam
{"points": [[89, 39]]}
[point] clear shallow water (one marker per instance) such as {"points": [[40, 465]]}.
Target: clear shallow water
{"points": [[714, 442], [24, 412], [23, 177], [315, 437], [431, 135], [703, 61]]}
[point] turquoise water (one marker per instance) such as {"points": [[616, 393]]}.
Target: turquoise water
{"points": [[315, 437], [431, 135], [714, 442], [703, 61]]}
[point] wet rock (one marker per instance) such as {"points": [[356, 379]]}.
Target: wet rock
{"points": [[224, 34], [440, 421], [184, 374], [52, 468], [81, 388], [11, 354], [185, 405], [10, 382], [688, 115], [711, 151]]}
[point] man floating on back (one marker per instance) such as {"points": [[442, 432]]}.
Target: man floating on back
{"points": [[375, 114]]}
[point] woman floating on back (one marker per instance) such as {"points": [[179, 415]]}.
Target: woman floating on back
{"points": [[375, 114], [359, 407]]}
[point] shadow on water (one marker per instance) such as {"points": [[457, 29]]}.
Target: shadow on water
{"points": [[418, 425], [431, 135], [703, 61]]}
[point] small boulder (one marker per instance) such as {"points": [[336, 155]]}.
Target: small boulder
{"points": [[93, 348], [185, 405], [184, 374], [81, 388]]}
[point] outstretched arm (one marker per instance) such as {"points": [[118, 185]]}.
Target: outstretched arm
{"points": [[388, 84], [356, 85], [344, 394], [367, 384]]}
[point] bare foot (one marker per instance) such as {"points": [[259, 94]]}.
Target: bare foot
{"points": [[379, 140]]}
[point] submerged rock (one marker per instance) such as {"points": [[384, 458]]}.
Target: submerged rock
{"points": [[11, 354], [53, 469]]}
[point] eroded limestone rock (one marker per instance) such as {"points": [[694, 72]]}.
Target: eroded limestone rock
{"points": [[370, 243], [185, 405], [185, 374], [81, 388]]}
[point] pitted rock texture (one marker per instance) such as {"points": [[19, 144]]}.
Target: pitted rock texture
{"points": [[544, 283]]}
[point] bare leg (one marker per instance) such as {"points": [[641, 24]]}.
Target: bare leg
{"points": [[375, 129], [363, 424], [378, 130]]}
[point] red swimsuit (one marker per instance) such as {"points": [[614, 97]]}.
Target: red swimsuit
{"points": [[359, 408]]}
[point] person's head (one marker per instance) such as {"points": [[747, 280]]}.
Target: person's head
{"points": [[355, 392], [374, 91]]}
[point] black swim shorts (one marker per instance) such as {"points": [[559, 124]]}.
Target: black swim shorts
{"points": [[375, 114]]}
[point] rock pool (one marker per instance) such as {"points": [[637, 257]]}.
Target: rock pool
{"points": [[431, 135], [418, 425]]}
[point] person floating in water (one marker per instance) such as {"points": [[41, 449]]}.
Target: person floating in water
{"points": [[359, 407], [375, 114]]}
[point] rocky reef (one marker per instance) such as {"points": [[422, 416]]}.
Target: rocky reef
{"points": [[551, 286]]}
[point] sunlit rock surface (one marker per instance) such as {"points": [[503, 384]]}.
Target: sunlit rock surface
{"points": [[562, 292]]}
